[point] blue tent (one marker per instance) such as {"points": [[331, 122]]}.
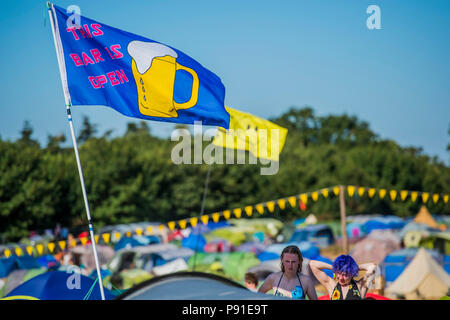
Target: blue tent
{"points": [[272, 252], [53, 285], [130, 242], [7, 265], [390, 222], [195, 242]]}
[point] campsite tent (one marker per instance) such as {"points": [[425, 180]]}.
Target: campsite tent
{"points": [[375, 247], [53, 285], [424, 217], [388, 222], [192, 286], [273, 251], [423, 278]]}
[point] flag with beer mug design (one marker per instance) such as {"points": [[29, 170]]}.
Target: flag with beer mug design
{"points": [[134, 75]]}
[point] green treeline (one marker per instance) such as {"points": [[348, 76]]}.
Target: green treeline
{"points": [[132, 178]]}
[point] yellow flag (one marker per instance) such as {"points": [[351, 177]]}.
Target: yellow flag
{"points": [[282, 203], [315, 195], [393, 194], [414, 195], [227, 214], [248, 210], [351, 190], [371, 192], [403, 194], [106, 237], [260, 208], [171, 225], [51, 246], [30, 250], [237, 212], [83, 240], [7, 253], [18, 251], [435, 197], [216, 217], [425, 197], [62, 244], [204, 219], [325, 193], [382, 193], [446, 198], [262, 138], [336, 191], [139, 231], [271, 206], [304, 198], [40, 248], [361, 191], [117, 235], [292, 201], [193, 221]]}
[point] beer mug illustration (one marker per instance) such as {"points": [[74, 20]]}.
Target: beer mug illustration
{"points": [[154, 67]]}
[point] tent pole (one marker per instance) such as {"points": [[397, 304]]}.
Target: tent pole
{"points": [[343, 220]]}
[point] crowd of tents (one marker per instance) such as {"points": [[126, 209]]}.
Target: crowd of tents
{"points": [[413, 256]]}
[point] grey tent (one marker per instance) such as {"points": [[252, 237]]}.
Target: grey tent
{"points": [[192, 286]]}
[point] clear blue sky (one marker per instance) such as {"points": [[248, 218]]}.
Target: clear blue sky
{"points": [[270, 56]]}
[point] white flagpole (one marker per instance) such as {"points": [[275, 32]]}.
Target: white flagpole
{"points": [[62, 71]]}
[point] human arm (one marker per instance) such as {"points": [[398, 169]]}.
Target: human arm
{"points": [[267, 284], [324, 279], [367, 278], [310, 290]]}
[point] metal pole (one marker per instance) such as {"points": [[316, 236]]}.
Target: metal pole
{"points": [[201, 212], [60, 56], [343, 220]]}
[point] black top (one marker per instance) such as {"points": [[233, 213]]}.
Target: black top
{"points": [[352, 293]]}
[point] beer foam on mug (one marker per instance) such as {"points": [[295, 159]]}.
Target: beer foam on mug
{"points": [[143, 53]]}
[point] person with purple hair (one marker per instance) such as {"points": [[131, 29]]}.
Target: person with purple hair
{"points": [[343, 286]]}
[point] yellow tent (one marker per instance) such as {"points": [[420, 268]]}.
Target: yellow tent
{"points": [[425, 217], [423, 278]]}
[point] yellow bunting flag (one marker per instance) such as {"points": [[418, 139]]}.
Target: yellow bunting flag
{"points": [[74, 243], [446, 198], [40, 248], [62, 244], [139, 231], [435, 197], [262, 138], [292, 201], [171, 225], [336, 191], [204, 219], [161, 227], [282, 204], [18, 251], [237, 212], [361, 191], [325, 193], [351, 190], [414, 196], [304, 198], [227, 214], [425, 196], [193, 221], [149, 229], [7, 253], [29, 250], [371, 192], [106, 237], [260, 208], [393, 194], [315, 195], [382, 193], [128, 234], [96, 238], [248, 210], [403, 194], [216, 217], [271, 206], [84, 240], [51, 247]]}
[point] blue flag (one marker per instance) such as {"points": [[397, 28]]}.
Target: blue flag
{"points": [[136, 76]]}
